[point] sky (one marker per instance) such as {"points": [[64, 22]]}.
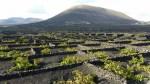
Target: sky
{"points": [[137, 9]]}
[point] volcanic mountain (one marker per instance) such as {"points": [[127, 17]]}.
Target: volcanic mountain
{"points": [[77, 17], [84, 14]]}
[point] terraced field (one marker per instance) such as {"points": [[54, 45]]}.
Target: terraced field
{"points": [[75, 58]]}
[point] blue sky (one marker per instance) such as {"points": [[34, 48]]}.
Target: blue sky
{"points": [[138, 9]]}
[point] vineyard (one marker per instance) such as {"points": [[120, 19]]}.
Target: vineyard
{"points": [[75, 58]]}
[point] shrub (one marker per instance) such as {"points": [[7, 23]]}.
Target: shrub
{"points": [[78, 78], [4, 55], [44, 46], [36, 62], [63, 44], [22, 40], [128, 51], [3, 47], [139, 77], [116, 68], [71, 49], [45, 51], [14, 54], [140, 35], [74, 59], [137, 64], [10, 41], [128, 72], [78, 59], [101, 55], [23, 63], [136, 60]]}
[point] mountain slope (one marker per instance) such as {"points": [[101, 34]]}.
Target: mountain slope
{"points": [[17, 20], [84, 14]]}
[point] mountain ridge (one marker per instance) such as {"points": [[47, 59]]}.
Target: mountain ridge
{"points": [[18, 21]]}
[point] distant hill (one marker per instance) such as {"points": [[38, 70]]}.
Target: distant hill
{"points": [[17, 21], [148, 22], [144, 23]]}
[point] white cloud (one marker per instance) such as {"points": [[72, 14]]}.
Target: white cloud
{"points": [[138, 9]]}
